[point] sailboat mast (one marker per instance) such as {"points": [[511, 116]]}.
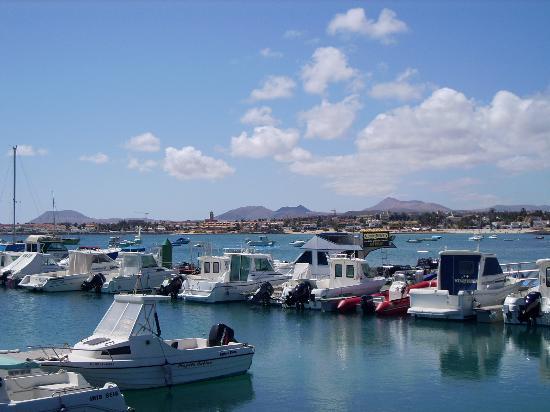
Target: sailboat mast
{"points": [[53, 211], [14, 180]]}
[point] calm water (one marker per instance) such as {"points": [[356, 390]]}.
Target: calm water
{"points": [[323, 361]]}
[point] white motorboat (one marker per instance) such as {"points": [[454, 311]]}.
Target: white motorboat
{"points": [[126, 348], [349, 276], [29, 263], [476, 238], [47, 244], [262, 241], [297, 243], [137, 272], [24, 387], [466, 280], [531, 306], [82, 264], [230, 277]]}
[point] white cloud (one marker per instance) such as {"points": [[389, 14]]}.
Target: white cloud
{"points": [[142, 166], [355, 21], [189, 163], [328, 65], [274, 87], [331, 121], [146, 142], [97, 158], [27, 150], [297, 154], [259, 116], [292, 34], [265, 141], [270, 54], [400, 89]]}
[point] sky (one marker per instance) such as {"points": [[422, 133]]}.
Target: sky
{"points": [[174, 109]]}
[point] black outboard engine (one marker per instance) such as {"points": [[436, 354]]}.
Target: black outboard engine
{"points": [[531, 310], [367, 305], [172, 288], [4, 277], [94, 284], [262, 295], [221, 334], [299, 296]]}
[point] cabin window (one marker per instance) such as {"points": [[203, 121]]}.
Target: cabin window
{"points": [[548, 277], [102, 259], [350, 271], [54, 247], [366, 269], [33, 247], [322, 259], [491, 267], [216, 267], [465, 268], [263, 265], [240, 266], [305, 257], [206, 267], [337, 270], [122, 350]]}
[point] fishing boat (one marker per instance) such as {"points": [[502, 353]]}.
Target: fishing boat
{"points": [[82, 264], [531, 306], [231, 277], [262, 241], [297, 243], [466, 280], [70, 240], [127, 348], [24, 387], [180, 241]]}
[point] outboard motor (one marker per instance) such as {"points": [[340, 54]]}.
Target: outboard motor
{"points": [[172, 288], [4, 277], [299, 295], [367, 305], [262, 295], [531, 310], [220, 334], [95, 283]]}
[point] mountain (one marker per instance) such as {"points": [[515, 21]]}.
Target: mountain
{"points": [[517, 208], [70, 216], [261, 212], [291, 212], [391, 204]]}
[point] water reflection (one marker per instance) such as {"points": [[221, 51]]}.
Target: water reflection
{"points": [[532, 343], [216, 395]]}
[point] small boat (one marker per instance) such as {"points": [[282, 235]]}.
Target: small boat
{"points": [[297, 243], [70, 240], [180, 241], [29, 263], [24, 387], [540, 237], [397, 301], [414, 240], [126, 347], [493, 237], [476, 238], [262, 241]]}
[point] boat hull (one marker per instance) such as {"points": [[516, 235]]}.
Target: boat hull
{"points": [[225, 292], [54, 284], [147, 281], [397, 307]]}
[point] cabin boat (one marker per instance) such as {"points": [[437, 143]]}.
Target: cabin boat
{"points": [[180, 241], [262, 241], [230, 277], [47, 244], [531, 306], [137, 272], [297, 243], [29, 263], [126, 348], [82, 264], [24, 387], [466, 281]]}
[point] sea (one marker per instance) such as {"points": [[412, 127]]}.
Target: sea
{"points": [[314, 361]]}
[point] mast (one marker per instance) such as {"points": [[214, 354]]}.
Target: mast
{"points": [[14, 174], [53, 212]]}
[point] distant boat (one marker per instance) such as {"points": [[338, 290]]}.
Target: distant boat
{"points": [[297, 243], [539, 237], [180, 241], [493, 237], [414, 240], [70, 240], [476, 238], [261, 241]]}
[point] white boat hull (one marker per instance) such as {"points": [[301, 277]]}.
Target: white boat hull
{"points": [[147, 281], [44, 283]]}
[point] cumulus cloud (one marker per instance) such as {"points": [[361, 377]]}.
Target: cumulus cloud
{"points": [[297, 154], [331, 120], [142, 166], [27, 150], [265, 141], [270, 54], [98, 158], [189, 163], [146, 142], [274, 87], [355, 21], [328, 65], [399, 89], [259, 116]]}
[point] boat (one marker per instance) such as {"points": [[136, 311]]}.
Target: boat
{"points": [[180, 241], [413, 240], [397, 301], [231, 277], [493, 237], [349, 276], [24, 387], [539, 237], [29, 263], [262, 241], [127, 348], [297, 243], [50, 245], [466, 280], [476, 238], [137, 271], [82, 264], [70, 240], [531, 306]]}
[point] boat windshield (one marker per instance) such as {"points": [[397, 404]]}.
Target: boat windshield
{"points": [[123, 320]]}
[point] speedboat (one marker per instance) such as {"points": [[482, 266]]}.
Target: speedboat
{"points": [[262, 241], [126, 347], [466, 281], [230, 277], [297, 243], [476, 238], [29, 263], [24, 387], [137, 272], [349, 276], [180, 241], [493, 237], [531, 306], [82, 264]]}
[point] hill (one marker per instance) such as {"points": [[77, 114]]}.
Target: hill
{"points": [[261, 212], [391, 204]]}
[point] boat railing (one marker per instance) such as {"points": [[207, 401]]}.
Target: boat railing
{"points": [[519, 269], [65, 347]]}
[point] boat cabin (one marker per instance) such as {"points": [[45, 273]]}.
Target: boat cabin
{"points": [[133, 262], [468, 270], [212, 267], [344, 271], [544, 277], [243, 264], [46, 244], [81, 261]]}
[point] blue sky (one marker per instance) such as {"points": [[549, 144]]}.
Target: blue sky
{"points": [[179, 108]]}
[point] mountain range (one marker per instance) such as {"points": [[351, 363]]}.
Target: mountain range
{"points": [[261, 212], [71, 217]]}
